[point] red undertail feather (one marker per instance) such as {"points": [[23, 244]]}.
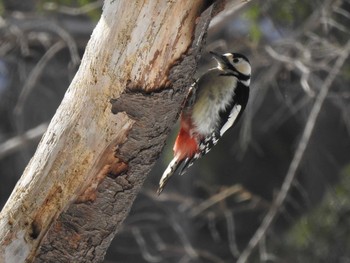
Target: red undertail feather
{"points": [[185, 145], [184, 149]]}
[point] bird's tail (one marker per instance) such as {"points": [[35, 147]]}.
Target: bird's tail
{"points": [[169, 171]]}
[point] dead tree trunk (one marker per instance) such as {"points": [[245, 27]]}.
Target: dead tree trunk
{"points": [[90, 164]]}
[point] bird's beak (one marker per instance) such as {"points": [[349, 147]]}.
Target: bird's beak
{"points": [[219, 58]]}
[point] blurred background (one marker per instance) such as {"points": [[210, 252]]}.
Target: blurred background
{"points": [[292, 144]]}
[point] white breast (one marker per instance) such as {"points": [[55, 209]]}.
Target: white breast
{"points": [[214, 94]]}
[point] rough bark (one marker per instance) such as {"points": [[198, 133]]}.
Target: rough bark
{"points": [[91, 163]]}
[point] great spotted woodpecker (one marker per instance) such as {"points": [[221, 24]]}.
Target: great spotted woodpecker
{"points": [[214, 104]]}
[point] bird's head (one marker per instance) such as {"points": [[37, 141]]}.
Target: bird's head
{"points": [[233, 64]]}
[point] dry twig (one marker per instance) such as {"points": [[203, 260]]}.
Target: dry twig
{"points": [[19, 141]]}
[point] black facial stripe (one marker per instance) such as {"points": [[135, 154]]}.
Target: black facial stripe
{"points": [[239, 76], [243, 77]]}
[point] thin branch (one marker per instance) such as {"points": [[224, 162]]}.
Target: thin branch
{"points": [[231, 233], [281, 115], [264, 255], [242, 195], [160, 245], [191, 252], [299, 153], [209, 257], [295, 63], [61, 32], [337, 25], [215, 199], [303, 193], [74, 11], [143, 247], [15, 143], [342, 12], [185, 259], [21, 39], [212, 227], [19, 30], [35, 74]]}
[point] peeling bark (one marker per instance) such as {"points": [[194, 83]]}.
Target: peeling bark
{"points": [[90, 164]]}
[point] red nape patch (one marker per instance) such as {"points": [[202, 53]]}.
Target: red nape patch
{"points": [[185, 145]]}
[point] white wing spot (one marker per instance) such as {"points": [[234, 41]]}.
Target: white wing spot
{"points": [[231, 118]]}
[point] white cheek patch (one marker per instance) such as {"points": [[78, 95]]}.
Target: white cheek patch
{"points": [[244, 68], [231, 118]]}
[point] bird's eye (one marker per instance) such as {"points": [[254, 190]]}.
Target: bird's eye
{"points": [[235, 60]]}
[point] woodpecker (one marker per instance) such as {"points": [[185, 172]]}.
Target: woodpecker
{"points": [[215, 103]]}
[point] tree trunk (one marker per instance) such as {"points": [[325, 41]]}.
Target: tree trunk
{"points": [[90, 164]]}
